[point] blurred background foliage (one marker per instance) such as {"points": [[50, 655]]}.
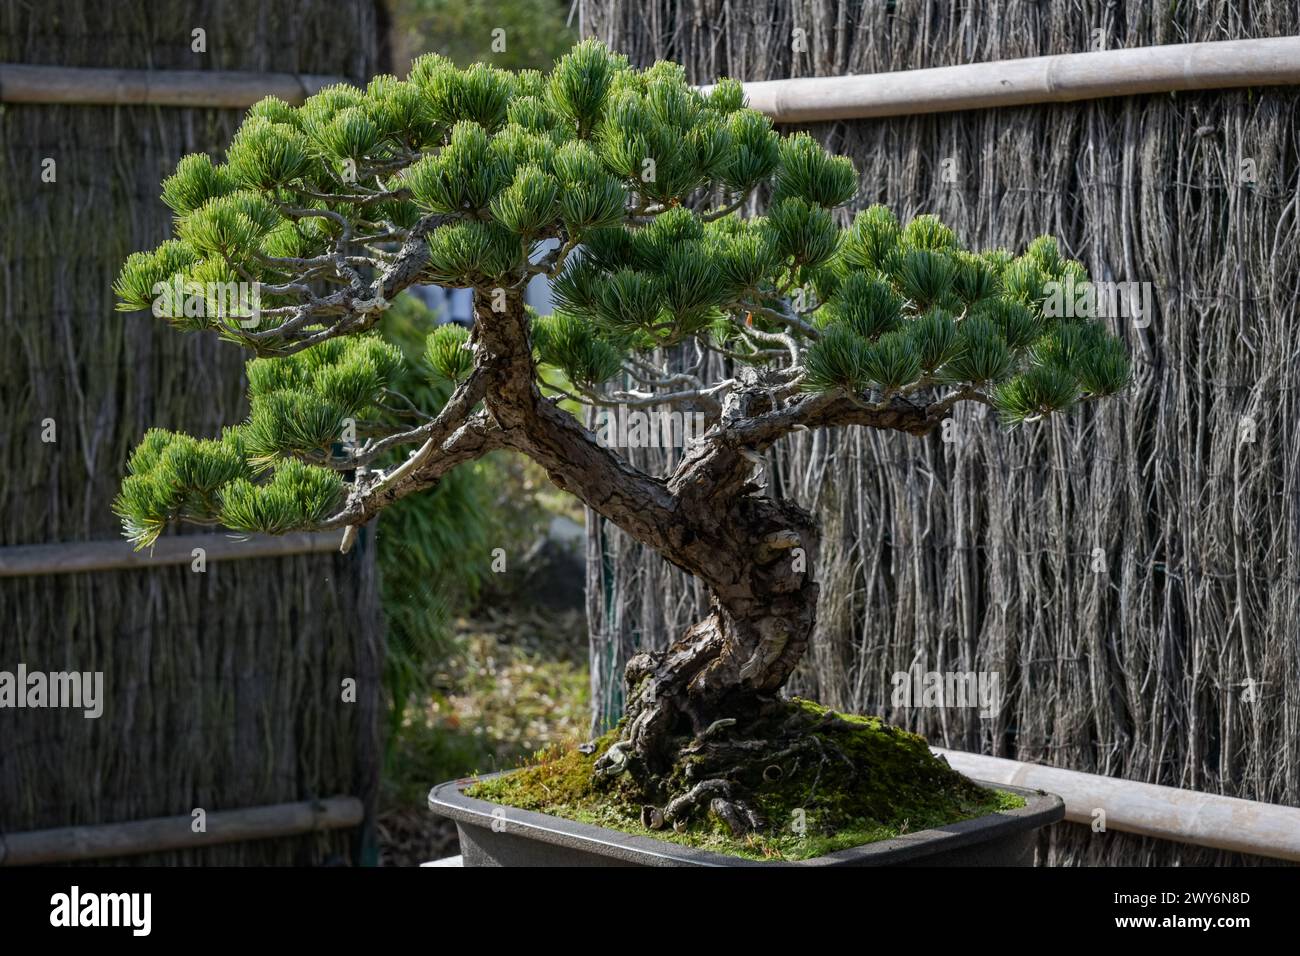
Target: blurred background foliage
{"points": [[535, 32], [482, 667], [478, 674]]}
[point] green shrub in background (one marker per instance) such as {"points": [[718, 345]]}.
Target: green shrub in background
{"points": [[534, 33], [435, 548], [435, 551], [435, 558]]}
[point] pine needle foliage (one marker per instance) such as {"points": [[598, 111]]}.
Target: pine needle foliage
{"points": [[974, 321], [630, 188], [448, 352]]}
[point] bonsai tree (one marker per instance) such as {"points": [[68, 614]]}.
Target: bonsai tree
{"points": [[632, 191]]}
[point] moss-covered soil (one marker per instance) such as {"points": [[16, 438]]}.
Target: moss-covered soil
{"points": [[870, 781]]}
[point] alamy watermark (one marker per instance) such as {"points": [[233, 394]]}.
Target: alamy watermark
{"points": [[218, 300], [1099, 300], [915, 688], [79, 690], [133, 911], [623, 427]]}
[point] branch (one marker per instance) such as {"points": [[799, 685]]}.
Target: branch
{"points": [[551, 263], [473, 439], [706, 396], [938, 409], [354, 309], [781, 338], [573, 457], [790, 319], [826, 410], [726, 210], [433, 433], [648, 374], [719, 467], [357, 199]]}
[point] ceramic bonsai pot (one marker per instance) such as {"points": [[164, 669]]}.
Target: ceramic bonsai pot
{"points": [[492, 835]]}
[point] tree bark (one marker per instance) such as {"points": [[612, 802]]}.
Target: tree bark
{"points": [[735, 661], [756, 555]]}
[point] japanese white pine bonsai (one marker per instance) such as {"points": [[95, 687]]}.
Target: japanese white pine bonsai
{"points": [[631, 189]]}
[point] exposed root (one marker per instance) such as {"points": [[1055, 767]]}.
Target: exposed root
{"points": [[718, 725], [679, 807], [739, 817], [685, 703], [713, 774], [781, 780], [614, 761]]}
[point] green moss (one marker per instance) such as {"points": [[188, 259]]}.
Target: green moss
{"points": [[862, 780]]}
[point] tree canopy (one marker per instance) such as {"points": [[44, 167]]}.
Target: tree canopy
{"points": [[638, 194]]}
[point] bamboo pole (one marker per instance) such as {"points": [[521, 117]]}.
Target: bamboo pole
{"points": [[71, 557], [1166, 813], [176, 833], [1043, 79], [220, 89]]}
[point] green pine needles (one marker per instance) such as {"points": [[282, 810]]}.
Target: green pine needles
{"points": [[263, 475], [907, 308], [637, 194]]}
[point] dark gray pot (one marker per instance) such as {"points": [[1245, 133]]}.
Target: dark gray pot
{"points": [[523, 838]]}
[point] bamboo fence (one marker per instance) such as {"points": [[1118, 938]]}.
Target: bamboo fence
{"points": [[224, 687], [212, 89]]}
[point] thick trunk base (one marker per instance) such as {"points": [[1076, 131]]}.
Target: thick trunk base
{"points": [[690, 737]]}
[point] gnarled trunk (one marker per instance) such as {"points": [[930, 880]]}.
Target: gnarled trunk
{"points": [[755, 554], [723, 675]]}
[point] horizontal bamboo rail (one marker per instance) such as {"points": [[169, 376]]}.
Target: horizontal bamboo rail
{"points": [[71, 557], [1043, 79], [176, 833], [1166, 813], [1065, 77], [84, 86]]}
